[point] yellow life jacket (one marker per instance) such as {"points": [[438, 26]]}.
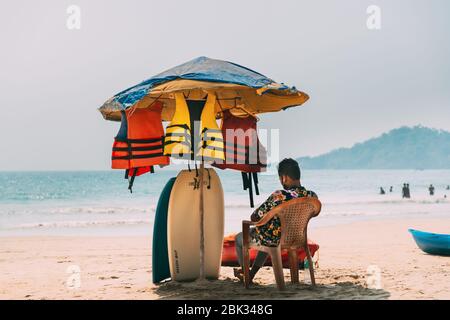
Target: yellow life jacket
{"points": [[179, 141], [211, 143]]}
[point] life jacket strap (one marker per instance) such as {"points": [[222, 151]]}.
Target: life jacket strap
{"points": [[131, 148], [206, 146], [232, 150], [131, 180], [184, 126], [211, 139], [185, 140], [247, 184], [133, 175], [151, 148], [185, 143], [209, 179], [138, 156], [154, 140], [211, 130], [250, 190], [244, 180], [186, 136], [208, 158], [206, 140], [234, 146], [207, 132], [255, 181]]}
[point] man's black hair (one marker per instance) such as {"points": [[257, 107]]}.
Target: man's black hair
{"points": [[289, 167]]}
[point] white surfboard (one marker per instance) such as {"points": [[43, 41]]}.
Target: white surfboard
{"points": [[183, 225]]}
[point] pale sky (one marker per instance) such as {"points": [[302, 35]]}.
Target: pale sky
{"points": [[361, 82]]}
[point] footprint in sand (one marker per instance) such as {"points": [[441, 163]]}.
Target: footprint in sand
{"points": [[105, 278]]}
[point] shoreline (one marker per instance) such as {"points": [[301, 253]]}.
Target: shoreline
{"points": [[40, 267], [145, 229]]}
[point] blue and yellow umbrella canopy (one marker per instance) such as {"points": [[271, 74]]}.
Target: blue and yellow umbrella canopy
{"points": [[236, 87]]}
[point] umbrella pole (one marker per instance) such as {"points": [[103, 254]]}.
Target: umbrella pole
{"points": [[202, 225]]}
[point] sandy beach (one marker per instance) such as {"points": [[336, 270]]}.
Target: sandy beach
{"points": [[120, 267]]}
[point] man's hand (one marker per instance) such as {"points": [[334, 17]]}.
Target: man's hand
{"points": [[254, 218]]}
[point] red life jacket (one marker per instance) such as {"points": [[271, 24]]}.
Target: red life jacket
{"points": [[243, 151], [138, 145]]}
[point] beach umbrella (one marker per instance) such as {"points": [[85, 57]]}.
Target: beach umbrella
{"points": [[234, 86]]}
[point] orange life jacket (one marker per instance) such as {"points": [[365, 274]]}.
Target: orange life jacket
{"points": [[243, 150], [138, 145]]}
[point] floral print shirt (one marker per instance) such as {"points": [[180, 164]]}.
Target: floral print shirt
{"points": [[270, 233]]}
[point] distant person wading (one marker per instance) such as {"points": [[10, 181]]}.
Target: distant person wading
{"points": [[431, 190], [405, 191]]}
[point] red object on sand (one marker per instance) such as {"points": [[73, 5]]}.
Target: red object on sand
{"points": [[229, 257]]}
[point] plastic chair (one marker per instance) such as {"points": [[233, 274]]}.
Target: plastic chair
{"points": [[294, 216]]}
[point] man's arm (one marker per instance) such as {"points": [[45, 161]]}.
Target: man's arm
{"points": [[272, 201]]}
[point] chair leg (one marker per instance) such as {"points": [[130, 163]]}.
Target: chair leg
{"points": [[293, 264], [277, 265], [246, 264], [311, 265]]}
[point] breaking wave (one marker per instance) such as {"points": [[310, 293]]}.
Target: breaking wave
{"points": [[80, 224]]}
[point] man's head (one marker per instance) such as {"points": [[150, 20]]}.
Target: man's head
{"points": [[289, 173]]}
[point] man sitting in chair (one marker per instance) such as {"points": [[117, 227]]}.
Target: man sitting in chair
{"points": [[270, 233]]}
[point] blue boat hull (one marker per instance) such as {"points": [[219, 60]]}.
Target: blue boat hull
{"points": [[432, 243]]}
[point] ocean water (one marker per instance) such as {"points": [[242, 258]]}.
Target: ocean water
{"points": [[98, 202]]}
